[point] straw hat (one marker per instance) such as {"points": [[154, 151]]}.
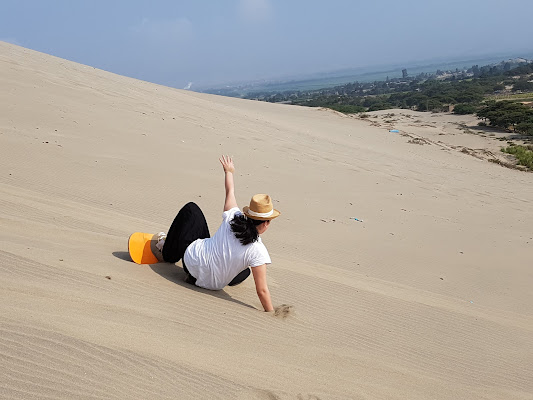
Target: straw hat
{"points": [[261, 208]]}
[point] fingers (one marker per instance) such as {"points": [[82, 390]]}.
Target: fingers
{"points": [[226, 161]]}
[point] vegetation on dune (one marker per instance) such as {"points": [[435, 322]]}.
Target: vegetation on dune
{"points": [[347, 108], [523, 85], [507, 114], [464, 108], [524, 154]]}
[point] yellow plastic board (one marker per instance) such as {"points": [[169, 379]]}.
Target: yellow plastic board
{"points": [[139, 248]]}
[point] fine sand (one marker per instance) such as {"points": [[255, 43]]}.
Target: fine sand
{"points": [[427, 295]]}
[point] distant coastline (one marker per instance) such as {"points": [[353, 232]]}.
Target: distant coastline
{"points": [[331, 79]]}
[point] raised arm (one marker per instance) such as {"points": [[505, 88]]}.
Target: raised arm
{"points": [[261, 287], [229, 169]]}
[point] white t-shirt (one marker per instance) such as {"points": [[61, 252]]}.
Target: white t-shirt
{"points": [[215, 261]]}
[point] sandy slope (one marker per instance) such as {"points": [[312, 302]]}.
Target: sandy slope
{"points": [[428, 298]]}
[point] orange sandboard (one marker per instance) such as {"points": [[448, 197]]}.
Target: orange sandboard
{"points": [[139, 246]]}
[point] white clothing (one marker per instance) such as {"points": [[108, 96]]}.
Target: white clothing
{"points": [[215, 261]]}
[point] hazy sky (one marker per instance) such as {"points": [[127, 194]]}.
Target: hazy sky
{"points": [[206, 42]]}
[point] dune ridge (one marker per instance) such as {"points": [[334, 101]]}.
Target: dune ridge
{"points": [[428, 297]]}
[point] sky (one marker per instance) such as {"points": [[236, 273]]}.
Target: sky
{"points": [[210, 42]]}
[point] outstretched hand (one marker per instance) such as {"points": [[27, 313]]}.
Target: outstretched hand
{"points": [[227, 164]]}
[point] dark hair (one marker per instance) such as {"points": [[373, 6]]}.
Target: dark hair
{"points": [[245, 229]]}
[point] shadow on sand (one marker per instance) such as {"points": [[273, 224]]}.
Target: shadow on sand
{"points": [[501, 134], [176, 275], [123, 255]]}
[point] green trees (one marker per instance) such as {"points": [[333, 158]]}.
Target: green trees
{"points": [[523, 85], [437, 95], [505, 114], [525, 128], [521, 70], [376, 103], [463, 108], [347, 108]]}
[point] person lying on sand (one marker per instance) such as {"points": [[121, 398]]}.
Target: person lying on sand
{"points": [[236, 247]]}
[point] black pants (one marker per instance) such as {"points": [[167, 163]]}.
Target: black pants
{"points": [[189, 225]]}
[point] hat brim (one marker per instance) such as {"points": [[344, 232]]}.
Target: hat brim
{"points": [[275, 214]]}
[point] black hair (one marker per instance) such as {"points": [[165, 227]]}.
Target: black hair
{"points": [[245, 229]]}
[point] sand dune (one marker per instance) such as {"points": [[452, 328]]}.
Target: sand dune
{"points": [[429, 297]]}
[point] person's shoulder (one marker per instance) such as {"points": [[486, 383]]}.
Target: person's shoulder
{"points": [[258, 253], [229, 214], [258, 246]]}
